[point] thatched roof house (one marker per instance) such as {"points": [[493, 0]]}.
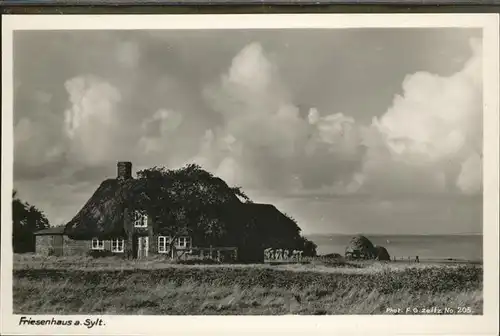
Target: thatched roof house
{"points": [[164, 211], [54, 230]]}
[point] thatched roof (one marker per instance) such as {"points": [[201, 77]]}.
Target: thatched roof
{"points": [[102, 215], [276, 229], [271, 225], [267, 214], [360, 244], [56, 230], [381, 253]]}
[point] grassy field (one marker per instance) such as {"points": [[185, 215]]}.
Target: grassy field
{"points": [[112, 286]]}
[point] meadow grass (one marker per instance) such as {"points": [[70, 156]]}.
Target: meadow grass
{"points": [[111, 286]]}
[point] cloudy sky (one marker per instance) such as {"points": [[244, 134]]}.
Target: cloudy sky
{"points": [[348, 130]]}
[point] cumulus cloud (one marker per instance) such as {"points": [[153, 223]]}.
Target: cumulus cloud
{"points": [[265, 139], [92, 119], [34, 145], [339, 133], [259, 117], [470, 177], [430, 139], [159, 130]]}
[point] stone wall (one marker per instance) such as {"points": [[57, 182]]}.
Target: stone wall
{"points": [[72, 247], [43, 244], [48, 245]]}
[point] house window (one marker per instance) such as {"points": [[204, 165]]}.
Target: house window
{"points": [[183, 242], [97, 244], [140, 219], [117, 245], [163, 244]]}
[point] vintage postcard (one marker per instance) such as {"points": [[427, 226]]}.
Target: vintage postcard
{"points": [[247, 173]]}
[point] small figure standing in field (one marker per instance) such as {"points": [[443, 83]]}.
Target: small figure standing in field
{"points": [[416, 259]]}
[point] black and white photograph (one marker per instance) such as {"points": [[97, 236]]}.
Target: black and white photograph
{"points": [[249, 171]]}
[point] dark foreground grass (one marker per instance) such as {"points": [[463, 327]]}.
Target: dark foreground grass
{"points": [[246, 290]]}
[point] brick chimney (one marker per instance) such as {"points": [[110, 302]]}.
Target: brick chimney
{"points": [[124, 170]]}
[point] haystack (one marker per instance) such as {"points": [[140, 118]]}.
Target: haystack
{"points": [[360, 247], [381, 253]]}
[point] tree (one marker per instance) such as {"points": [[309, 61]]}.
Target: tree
{"points": [[26, 219], [238, 192], [193, 201], [309, 247], [185, 200], [303, 244]]}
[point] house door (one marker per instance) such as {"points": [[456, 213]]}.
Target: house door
{"points": [[142, 247]]}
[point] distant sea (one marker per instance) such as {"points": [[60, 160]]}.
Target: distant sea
{"points": [[467, 247]]}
